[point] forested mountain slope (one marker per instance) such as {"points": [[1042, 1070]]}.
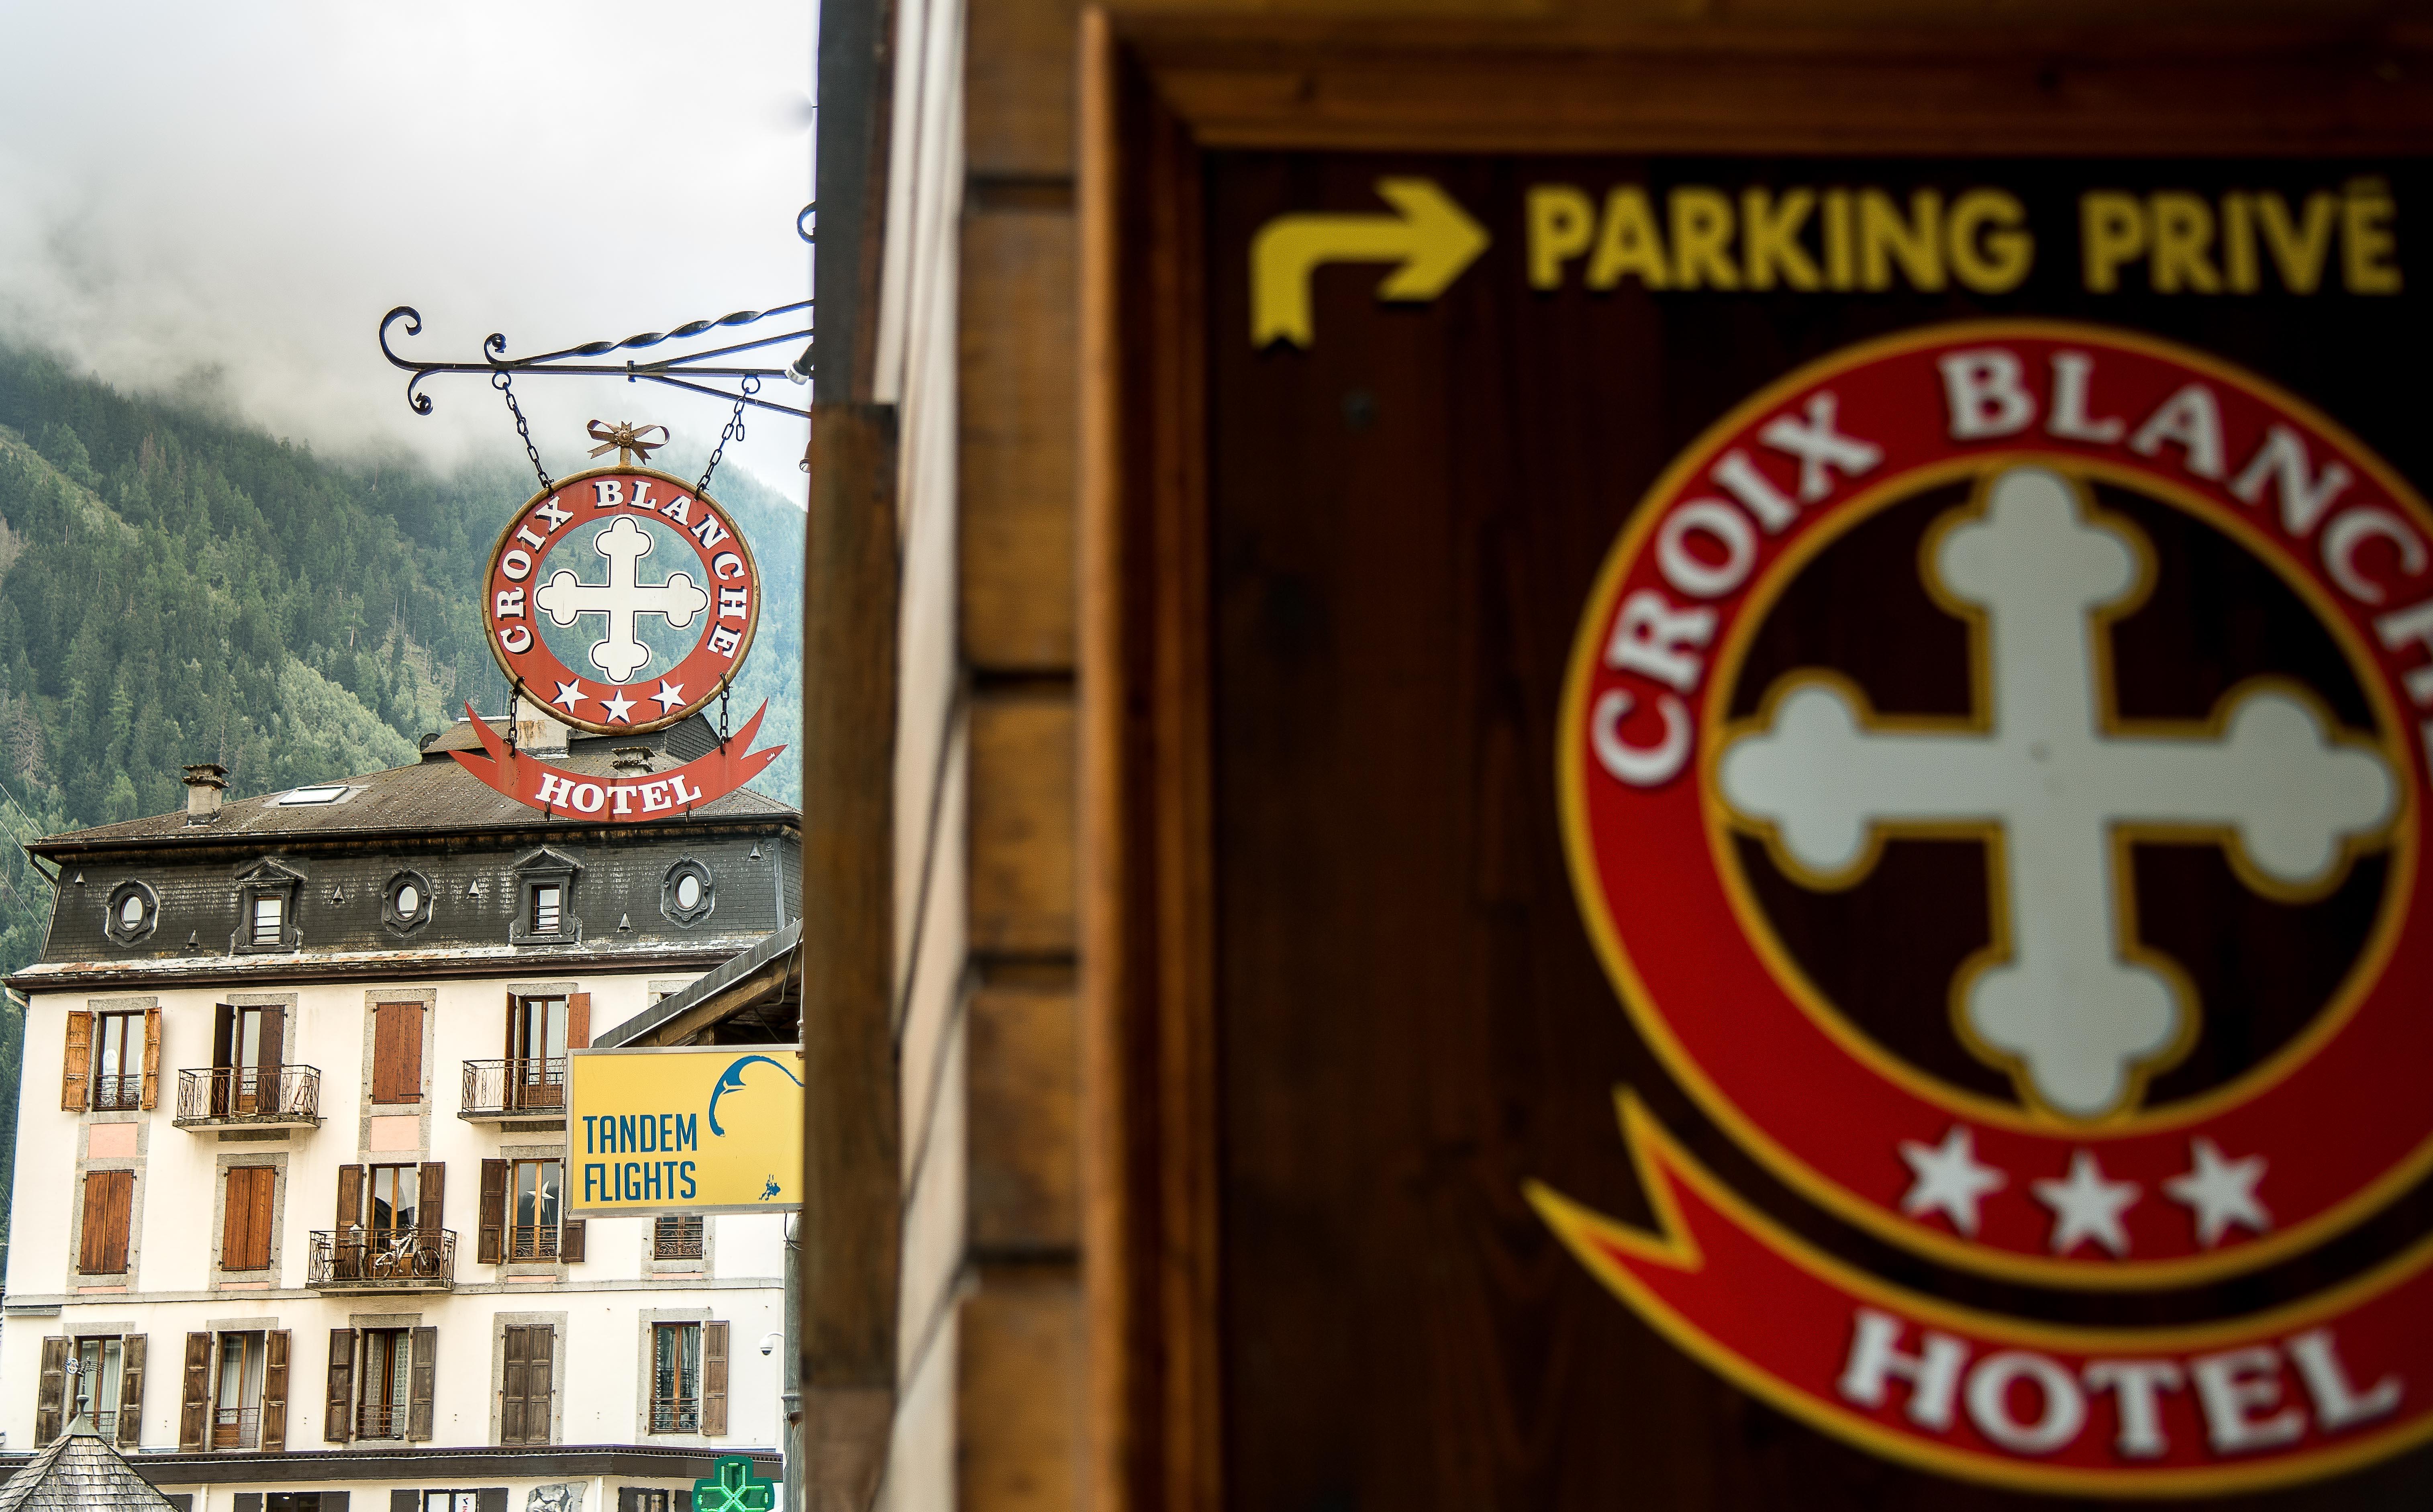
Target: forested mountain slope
{"points": [[178, 587]]}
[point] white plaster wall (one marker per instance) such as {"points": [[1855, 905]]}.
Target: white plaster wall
{"points": [[173, 1291]]}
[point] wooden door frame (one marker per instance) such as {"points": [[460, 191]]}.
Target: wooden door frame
{"points": [[1156, 91]]}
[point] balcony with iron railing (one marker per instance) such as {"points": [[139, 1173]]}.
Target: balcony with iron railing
{"points": [[382, 1260], [675, 1415], [237, 1427], [497, 1090], [286, 1096], [374, 1419], [115, 1094]]}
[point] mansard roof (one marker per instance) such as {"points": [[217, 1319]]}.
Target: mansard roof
{"points": [[77, 1470], [435, 795]]}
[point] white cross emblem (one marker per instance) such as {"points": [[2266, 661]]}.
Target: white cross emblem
{"points": [[2062, 994], [564, 598]]}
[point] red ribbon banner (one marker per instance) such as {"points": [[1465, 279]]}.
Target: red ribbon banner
{"points": [[633, 799]]}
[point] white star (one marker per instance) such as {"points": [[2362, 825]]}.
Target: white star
{"points": [[2219, 1192], [617, 707], [569, 694], [667, 696], [2087, 1207], [1949, 1179]]}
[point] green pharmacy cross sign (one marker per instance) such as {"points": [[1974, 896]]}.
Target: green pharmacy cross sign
{"points": [[733, 1487]]}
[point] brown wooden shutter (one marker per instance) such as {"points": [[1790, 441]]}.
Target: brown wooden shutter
{"points": [[244, 1238], [51, 1398], [130, 1392], [541, 1382], [578, 1021], [713, 1379], [75, 1068], [507, 1039], [194, 1407], [430, 1198], [151, 1059], [338, 1408], [570, 1240], [397, 1052], [272, 1053], [223, 1058], [108, 1200], [490, 1244], [424, 1370], [350, 1198], [274, 1390], [514, 1369]]}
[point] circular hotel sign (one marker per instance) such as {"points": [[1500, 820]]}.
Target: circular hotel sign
{"points": [[622, 599], [1990, 768]]}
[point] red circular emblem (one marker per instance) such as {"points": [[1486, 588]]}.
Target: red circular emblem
{"points": [[622, 599], [1991, 770]]}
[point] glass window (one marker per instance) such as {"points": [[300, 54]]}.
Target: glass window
{"points": [[236, 1410], [409, 900], [269, 918], [130, 911], [689, 891], [549, 902], [100, 1361], [117, 1060], [676, 1237], [326, 793], [537, 1185], [388, 1362], [675, 1378], [392, 1198]]}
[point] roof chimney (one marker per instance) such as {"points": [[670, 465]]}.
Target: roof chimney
{"points": [[205, 786]]}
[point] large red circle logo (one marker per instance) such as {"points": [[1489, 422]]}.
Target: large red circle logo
{"points": [[1991, 768], [622, 599]]}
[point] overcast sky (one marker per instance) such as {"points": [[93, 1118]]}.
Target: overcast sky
{"points": [[242, 190]]}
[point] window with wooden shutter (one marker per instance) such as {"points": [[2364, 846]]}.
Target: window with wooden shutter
{"points": [[51, 1395], [109, 1202], [578, 1022], [270, 1052], [351, 1196], [338, 1403], [130, 1392], [426, 1357], [194, 1403], [397, 1052], [570, 1241], [490, 1245], [245, 1237], [76, 1063], [526, 1383], [713, 1379], [274, 1391]]}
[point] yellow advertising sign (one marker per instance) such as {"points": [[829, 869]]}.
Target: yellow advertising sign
{"points": [[696, 1128]]}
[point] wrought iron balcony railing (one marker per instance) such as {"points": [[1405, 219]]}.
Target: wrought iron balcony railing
{"points": [[382, 1260], [237, 1427], [379, 1420], [513, 1089], [287, 1097], [675, 1415], [112, 1093]]}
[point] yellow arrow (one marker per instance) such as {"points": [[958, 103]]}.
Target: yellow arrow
{"points": [[1433, 238]]}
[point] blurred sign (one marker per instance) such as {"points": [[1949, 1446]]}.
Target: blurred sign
{"points": [[715, 1129]]}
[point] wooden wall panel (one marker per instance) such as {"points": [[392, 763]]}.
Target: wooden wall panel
{"points": [[1019, 1391], [1018, 432], [1018, 83], [1022, 818], [1025, 1080]]}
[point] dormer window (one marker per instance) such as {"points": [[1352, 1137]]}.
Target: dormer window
{"points": [[545, 881], [406, 906], [266, 916], [549, 906], [688, 893], [134, 909]]}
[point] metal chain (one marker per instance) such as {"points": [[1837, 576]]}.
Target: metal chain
{"points": [[734, 431], [721, 718], [514, 687], [506, 384]]}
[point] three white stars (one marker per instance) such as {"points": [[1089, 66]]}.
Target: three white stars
{"points": [[2218, 1192], [667, 696], [1950, 1180], [617, 707]]}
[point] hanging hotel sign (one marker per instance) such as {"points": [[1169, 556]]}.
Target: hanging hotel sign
{"points": [[1727, 779], [620, 600]]}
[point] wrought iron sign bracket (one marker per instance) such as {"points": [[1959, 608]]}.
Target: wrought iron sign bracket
{"points": [[685, 370]]}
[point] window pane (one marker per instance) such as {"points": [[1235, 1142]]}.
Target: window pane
{"points": [[131, 911], [527, 1176], [550, 1183], [266, 911]]}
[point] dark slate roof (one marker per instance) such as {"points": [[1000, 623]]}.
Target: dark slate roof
{"points": [[436, 795], [79, 1471]]}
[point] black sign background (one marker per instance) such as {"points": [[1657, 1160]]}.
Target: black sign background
{"points": [[1405, 520]]}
